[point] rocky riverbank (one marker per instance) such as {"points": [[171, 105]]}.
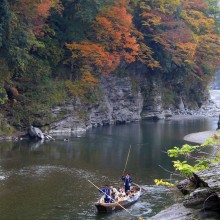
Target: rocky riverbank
{"points": [[202, 198], [203, 202], [121, 100]]}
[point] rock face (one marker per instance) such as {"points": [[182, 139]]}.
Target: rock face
{"points": [[122, 100], [202, 203], [118, 103], [152, 107], [216, 83]]}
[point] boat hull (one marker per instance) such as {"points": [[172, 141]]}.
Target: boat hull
{"points": [[111, 207], [117, 205]]}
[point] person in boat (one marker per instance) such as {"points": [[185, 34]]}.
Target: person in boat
{"points": [[113, 197], [127, 182], [107, 192], [114, 190], [121, 189]]}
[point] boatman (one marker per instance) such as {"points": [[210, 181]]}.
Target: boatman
{"points": [[127, 182], [107, 192]]}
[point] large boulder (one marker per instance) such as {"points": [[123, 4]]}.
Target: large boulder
{"points": [[202, 198], [202, 201], [35, 133]]}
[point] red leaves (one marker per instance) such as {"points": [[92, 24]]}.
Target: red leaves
{"points": [[43, 8], [114, 29], [186, 34], [38, 11], [94, 55], [114, 41]]}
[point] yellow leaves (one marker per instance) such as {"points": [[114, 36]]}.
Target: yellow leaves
{"points": [[145, 56], [81, 87], [189, 62], [188, 49], [151, 19], [163, 183], [197, 19], [183, 30], [167, 5], [89, 79]]}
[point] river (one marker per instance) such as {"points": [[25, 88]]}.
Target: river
{"points": [[49, 180]]}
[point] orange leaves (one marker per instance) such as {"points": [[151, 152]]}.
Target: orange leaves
{"points": [[187, 35], [88, 79], [83, 88], [38, 11], [114, 29], [94, 55], [43, 8], [209, 49], [187, 50], [113, 41]]}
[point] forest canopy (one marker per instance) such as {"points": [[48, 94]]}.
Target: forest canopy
{"points": [[45, 42]]}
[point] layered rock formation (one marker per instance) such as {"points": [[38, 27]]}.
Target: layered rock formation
{"points": [[118, 103], [122, 100]]}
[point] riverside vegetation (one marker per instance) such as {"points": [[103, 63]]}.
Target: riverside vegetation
{"points": [[201, 188], [54, 52]]}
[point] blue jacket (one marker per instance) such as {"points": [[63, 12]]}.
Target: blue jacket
{"points": [[127, 181], [107, 192]]}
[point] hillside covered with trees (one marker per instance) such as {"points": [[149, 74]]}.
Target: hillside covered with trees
{"points": [[53, 50]]}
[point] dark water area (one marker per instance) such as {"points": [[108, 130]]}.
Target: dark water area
{"points": [[50, 180]]}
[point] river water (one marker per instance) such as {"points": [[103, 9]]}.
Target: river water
{"points": [[50, 180]]}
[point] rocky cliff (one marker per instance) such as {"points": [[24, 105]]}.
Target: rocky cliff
{"points": [[122, 100], [203, 201], [118, 103]]}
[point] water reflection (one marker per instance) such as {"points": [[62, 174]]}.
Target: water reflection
{"points": [[48, 180]]}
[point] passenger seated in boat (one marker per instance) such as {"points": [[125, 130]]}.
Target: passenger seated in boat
{"points": [[121, 189], [132, 192], [120, 196], [113, 197], [107, 192], [114, 190], [128, 193]]}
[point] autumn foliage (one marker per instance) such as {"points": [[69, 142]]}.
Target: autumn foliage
{"points": [[183, 30], [112, 42], [38, 11], [53, 46]]}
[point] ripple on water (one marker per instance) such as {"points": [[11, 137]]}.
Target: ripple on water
{"points": [[43, 171]]}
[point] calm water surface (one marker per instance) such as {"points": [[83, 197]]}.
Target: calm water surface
{"points": [[49, 180]]}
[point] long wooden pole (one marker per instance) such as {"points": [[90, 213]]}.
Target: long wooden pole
{"points": [[126, 161], [136, 184], [110, 197]]}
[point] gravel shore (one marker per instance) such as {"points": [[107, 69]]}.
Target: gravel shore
{"points": [[199, 137]]}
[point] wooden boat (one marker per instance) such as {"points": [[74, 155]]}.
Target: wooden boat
{"points": [[121, 202]]}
